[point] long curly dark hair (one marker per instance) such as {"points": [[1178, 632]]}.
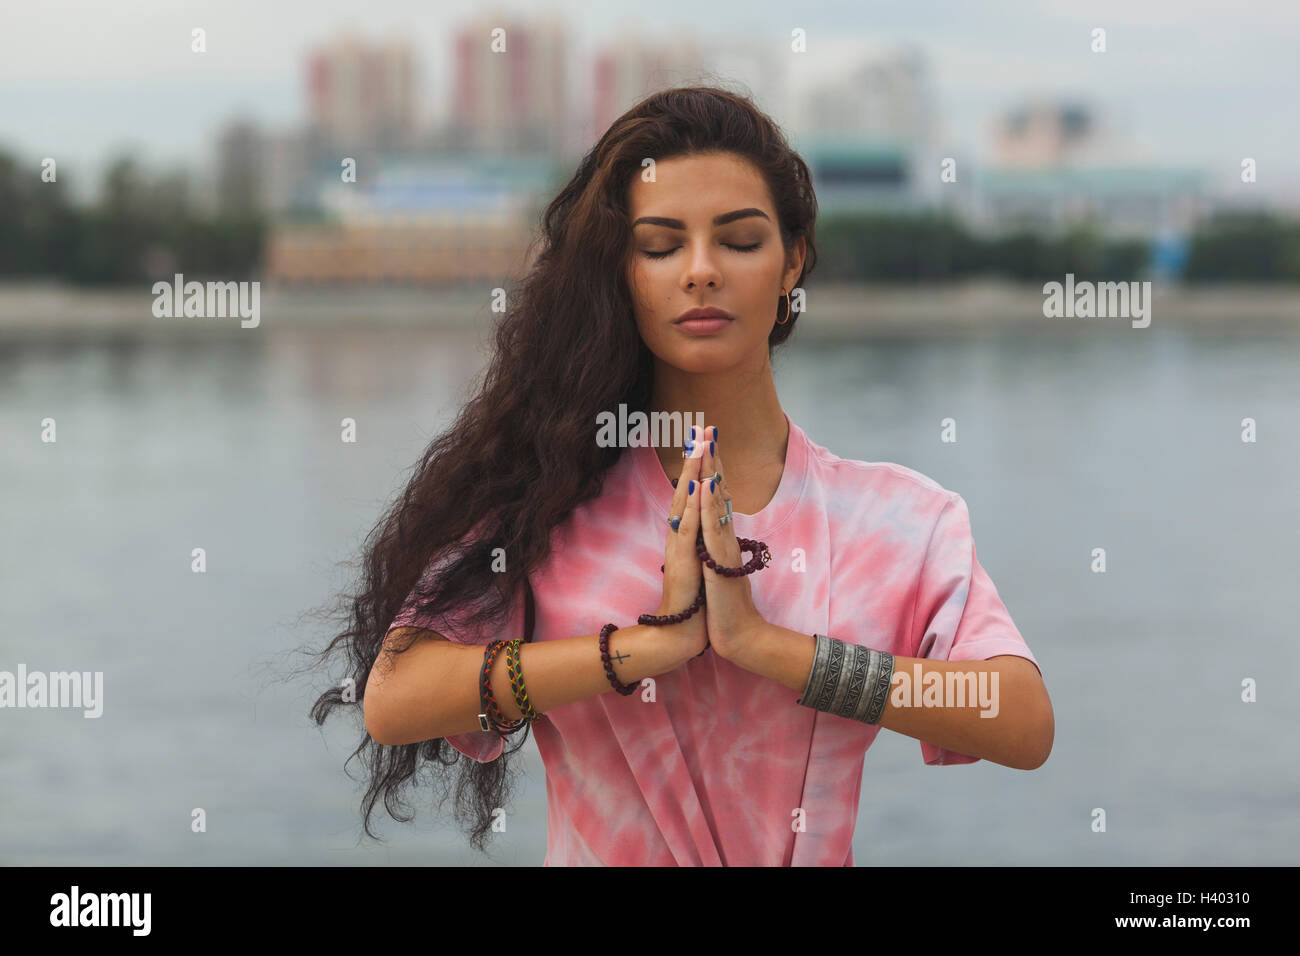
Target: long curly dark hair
{"points": [[520, 457]]}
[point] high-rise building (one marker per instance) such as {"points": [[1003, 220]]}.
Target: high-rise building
{"points": [[871, 137], [508, 86], [363, 94], [633, 65], [628, 69], [886, 99], [241, 148]]}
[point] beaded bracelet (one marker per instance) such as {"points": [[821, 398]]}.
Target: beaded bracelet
{"points": [[762, 557], [490, 715], [665, 619], [619, 686], [516, 672]]}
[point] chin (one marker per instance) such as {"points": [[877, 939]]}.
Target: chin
{"points": [[696, 360]]}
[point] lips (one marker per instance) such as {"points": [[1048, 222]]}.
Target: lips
{"points": [[709, 312], [703, 326]]}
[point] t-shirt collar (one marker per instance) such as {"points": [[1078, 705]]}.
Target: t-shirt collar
{"points": [[654, 482]]}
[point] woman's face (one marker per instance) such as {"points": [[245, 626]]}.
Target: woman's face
{"points": [[705, 234]]}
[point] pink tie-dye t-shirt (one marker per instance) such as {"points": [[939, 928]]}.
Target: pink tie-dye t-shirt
{"points": [[710, 765]]}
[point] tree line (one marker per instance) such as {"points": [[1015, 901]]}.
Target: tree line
{"points": [[145, 226]]}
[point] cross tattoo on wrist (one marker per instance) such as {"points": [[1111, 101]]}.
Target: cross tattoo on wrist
{"points": [[620, 657]]}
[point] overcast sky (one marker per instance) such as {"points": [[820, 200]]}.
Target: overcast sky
{"points": [[1185, 82]]}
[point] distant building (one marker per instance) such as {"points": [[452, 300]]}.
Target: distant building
{"points": [[871, 138], [1046, 135], [862, 175], [287, 169], [272, 172], [1055, 166], [889, 96], [363, 94], [1122, 201], [512, 99], [630, 66], [430, 221], [240, 156]]}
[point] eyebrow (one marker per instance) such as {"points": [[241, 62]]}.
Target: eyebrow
{"points": [[722, 220]]}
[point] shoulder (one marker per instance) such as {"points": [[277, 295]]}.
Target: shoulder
{"points": [[876, 481]]}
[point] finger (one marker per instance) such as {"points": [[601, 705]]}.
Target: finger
{"points": [[682, 482], [690, 449], [711, 468], [720, 539], [679, 495], [707, 468], [690, 482], [717, 465], [709, 515]]}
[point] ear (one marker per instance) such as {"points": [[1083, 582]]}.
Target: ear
{"points": [[794, 264]]}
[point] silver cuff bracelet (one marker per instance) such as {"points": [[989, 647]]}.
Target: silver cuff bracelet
{"points": [[848, 680]]}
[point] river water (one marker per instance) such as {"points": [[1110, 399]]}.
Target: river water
{"points": [[1123, 439]]}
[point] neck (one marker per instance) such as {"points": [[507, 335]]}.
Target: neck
{"points": [[742, 403]]}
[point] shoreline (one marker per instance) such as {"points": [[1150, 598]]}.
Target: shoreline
{"points": [[836, 312]]}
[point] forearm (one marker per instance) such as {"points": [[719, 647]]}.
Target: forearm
{"points": [[778, 653], [432, 689], [994, 709], [998, 711]]}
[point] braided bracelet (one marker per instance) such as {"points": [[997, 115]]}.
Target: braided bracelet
{"points": [[516, 672], [490, 715]]}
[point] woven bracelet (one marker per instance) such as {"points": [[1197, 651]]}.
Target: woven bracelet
{"points": [[490, 716], [516, 673]]}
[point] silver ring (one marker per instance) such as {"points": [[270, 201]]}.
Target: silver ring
{"points": [[724, 521], [674, 522]]}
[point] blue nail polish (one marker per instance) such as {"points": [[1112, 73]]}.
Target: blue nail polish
{"points": [[710, 484], [689, 445], [710, 448], [690, 490], [715, 432]]}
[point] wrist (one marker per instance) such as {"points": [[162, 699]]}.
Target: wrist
{"points": [[748, 648], [655, 648]]}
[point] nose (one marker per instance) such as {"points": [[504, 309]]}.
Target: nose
{"points": [[701, 270]]}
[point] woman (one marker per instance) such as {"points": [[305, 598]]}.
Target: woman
{"points": [[739, 732]]}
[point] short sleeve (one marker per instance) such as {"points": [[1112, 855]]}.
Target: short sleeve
{"points": [[959, 615], [481, 745]]}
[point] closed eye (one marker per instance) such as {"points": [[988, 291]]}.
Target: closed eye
{"points": [[668, 252]]}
